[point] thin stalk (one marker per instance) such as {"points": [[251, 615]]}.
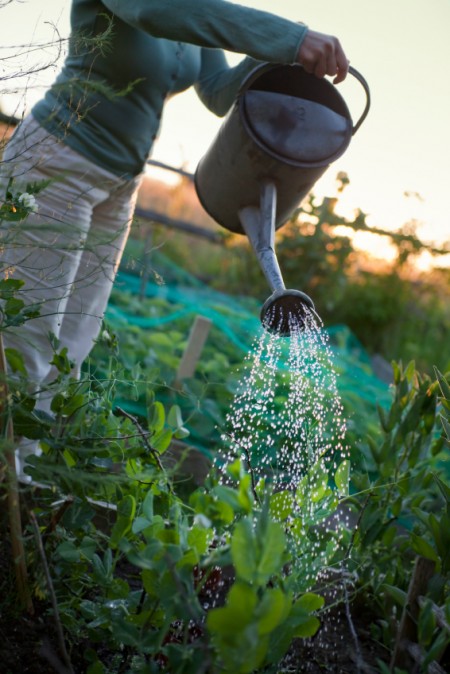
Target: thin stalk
{"points": [[12, 488], [144, 435], [51, 590]]}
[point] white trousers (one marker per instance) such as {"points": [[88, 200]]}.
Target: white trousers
{"points": [[68, 252]]}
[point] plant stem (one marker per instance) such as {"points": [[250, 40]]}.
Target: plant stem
{"points": [[143, 435], [51, 589], [12, 487]]}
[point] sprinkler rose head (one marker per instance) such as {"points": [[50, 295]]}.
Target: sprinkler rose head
{"points": [[286, 310]]}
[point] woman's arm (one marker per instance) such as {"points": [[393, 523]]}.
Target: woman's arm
{"points": [[219, 83], [215, 24]]}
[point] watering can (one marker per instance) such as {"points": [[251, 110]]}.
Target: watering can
{"points": [[284, 130]]}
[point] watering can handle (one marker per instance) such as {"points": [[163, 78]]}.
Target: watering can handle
{"points": [[357, 75], [254, 74]]}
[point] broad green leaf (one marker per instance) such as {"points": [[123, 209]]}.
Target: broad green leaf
{"points": [[319, 483], [140, 524], [161, 441], [174, 418], [273, 609], [198, 538], [125, 513], [307, 627], [274, 544], [426, 624], [13, 306], [342, 477], [9, 286], [236, 614], [96, 668], [282, 504], [15, 360], [127, 507], [395, 592], [244, 550], [422, 547], [88, 547], [147, 505], [100, 573], [410, 371], [69, 458], [68, 551], [73, 404], [158, 417], [310, 602]]}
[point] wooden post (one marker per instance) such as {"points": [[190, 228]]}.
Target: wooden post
{"points": [[12, 487], [407, 631], [197, 338]]}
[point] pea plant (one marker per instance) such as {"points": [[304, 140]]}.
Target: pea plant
{"points": [[157, 582], [403, 506]]}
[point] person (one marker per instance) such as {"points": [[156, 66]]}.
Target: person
{"points": [[91, 135]]}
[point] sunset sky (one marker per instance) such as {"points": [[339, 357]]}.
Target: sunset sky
{"points": [[402, 47]]}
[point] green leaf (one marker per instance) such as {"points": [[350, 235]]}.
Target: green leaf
{"points": [[147, 505], [13, 306], [88, 547], [161, 441], [410, 371], [158, 417], [73, 404], [395, 592], [198, 538], [15, 360], [96, 668], [426, 624], [436, 650], [175, 421], [68, 552], [310, 602], [125, 513], [174, 418], [282, 504], [446, 426], [342, 477], [273, 609], [273, 547], [236, 614], [9, 286], [127, 507], [307, 628], [422, 547], [244, 551], [443, 384], [140, 524], [319, 482]]}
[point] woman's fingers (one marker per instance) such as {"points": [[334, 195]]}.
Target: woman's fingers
{"points": [[322, 55]]}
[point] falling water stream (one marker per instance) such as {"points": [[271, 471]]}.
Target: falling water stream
{"points": [[287, 426]]}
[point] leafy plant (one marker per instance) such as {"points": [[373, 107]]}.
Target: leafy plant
{"points": [[404, 511]]}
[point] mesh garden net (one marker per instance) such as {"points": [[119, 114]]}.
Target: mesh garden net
{"points": [[152, 315]]}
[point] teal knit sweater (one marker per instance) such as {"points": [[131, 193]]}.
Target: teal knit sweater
{"points": [[108, 100]]}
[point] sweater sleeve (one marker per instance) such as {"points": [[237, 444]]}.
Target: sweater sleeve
{"points": [[217, 24], [219, 83]]}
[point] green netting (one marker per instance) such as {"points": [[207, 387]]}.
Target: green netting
{"points": [[152, 320]]}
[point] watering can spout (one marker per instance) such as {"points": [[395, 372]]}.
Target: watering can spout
{"points": [[285, 310], [259, 225]]}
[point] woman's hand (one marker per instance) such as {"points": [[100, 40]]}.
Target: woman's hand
{"points": [[322, 55]]}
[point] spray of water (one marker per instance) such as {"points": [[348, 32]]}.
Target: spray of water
{"points": [[287, 426]]}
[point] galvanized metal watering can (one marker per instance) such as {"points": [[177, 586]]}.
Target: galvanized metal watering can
{"points": [[284, 130]]}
